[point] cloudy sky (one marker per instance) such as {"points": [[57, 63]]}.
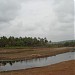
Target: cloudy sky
{"points": [[53, 19]]}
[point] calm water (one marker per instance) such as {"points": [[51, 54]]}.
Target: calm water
{"points": [[39, 62]]}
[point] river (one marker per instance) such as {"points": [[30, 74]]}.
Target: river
{"points": [[37, 62]]}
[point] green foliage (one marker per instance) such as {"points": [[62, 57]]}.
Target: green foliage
{"points": [[22, 42], [32, 42]]}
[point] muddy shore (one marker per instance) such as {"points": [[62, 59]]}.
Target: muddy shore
{"points": [[63, 68], [24, 54]]}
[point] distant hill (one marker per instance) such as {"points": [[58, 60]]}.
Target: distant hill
{"points": [[63, 42]]}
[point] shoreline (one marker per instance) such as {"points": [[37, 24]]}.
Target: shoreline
{"points": [[66, 68], [53, 52]]}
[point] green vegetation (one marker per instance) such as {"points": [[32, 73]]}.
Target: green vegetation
{"points": [[68, 43], [21, 42]]}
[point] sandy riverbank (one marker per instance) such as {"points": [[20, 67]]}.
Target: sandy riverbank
{"points": [[30, 53], [63, 68]]}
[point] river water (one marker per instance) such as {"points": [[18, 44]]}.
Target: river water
{"points": [[37, 62]]}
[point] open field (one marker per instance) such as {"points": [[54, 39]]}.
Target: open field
{"points": [[29, 53], [63, 68]]}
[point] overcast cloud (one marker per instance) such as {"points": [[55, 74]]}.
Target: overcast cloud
{"points": [[53, 19]]}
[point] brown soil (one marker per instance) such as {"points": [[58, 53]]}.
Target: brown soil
{"points": [[29, 53], [63, 68]]}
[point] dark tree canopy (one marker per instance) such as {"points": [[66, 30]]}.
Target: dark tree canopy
{"points": [[22, 41], [32, 42]]}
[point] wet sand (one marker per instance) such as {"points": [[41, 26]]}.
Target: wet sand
{"points": [[63, 68]]}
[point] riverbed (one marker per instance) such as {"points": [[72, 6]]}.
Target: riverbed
{"points": [[37, 62]]}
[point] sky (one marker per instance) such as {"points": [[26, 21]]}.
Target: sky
{"points": [[53, 19]]}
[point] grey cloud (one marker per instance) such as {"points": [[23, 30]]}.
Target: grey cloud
{"points": [[65, 10], [37, 18], [8, 10], [65, 15]]}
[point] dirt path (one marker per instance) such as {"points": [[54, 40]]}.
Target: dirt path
{"points": [[63, 68]]}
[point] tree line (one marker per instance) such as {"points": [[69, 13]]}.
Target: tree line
{"points": [[22, 41], [32, 42]]}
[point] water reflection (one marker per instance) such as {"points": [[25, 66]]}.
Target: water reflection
{"points": [[38, 62], [11, 62], [3, 63]]}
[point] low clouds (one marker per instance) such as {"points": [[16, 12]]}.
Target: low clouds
{"points": [[37, 18], [65, 12], [8, 10]]}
